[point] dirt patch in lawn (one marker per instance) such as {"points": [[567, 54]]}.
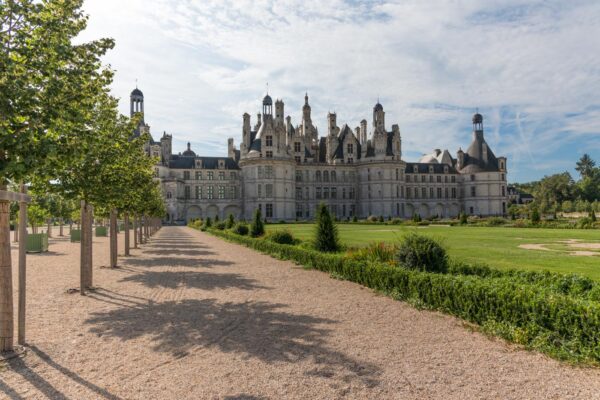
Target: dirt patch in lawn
{"points": [[532, 246]]}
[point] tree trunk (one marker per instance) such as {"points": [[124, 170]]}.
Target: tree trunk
{"points": [[113, 238], [22, 269], [60, 231], [17, 229], [83, 255], [141, 234], [89, 243], [49, 229], [6, 293], [126, 234], [135, 233]]}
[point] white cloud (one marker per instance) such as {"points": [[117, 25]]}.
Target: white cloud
{"points": [[527, 65]]}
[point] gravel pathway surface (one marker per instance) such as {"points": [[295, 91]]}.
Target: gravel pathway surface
{"points": [[189, 316]]}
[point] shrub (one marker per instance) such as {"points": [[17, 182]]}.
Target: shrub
{"points": [[463, 218], [354, 219], [422, 253], [593, 216], [207, 223], [258, 227], [217, 218], [380, 218], [241, 229], [535, 216], [282, 237], [495, 221], [416, 217], [220, 225], [585, 223], [326, 235], [230, 221]]}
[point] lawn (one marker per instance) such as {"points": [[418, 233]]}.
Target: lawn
{"points": [[496, 247]]}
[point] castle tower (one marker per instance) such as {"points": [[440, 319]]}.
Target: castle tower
{"points": [[332, 123], [267, 106], [279, 112], [378, 117], [136, 103], [306, 111]]}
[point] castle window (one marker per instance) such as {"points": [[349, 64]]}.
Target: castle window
{"points": [[260, 172], [343, 193], [318, 176], [221, 176], [439, 179], [269, 210], [351, 193], [430, 178], [424, 193], [408, 193], [209, 192], [325, 192], [259, 191], [298, 193], [502, 177], [198, 192], [269, 190], [350, 160], [169, 195], [471, 210], [211, 175], [298, 176], [334, 193], [333, 176], [268, 171], [325, 176], [473, 191], [439, 193], [416, 193], [503, 191], [221, 192], [407, 178], [446, 192], [453, 193], [269, 154], [472, 177], [379, 174], [199, 175], [431, 193], [501, 165], [453, 179], [397, 174], [232, 176], [350, 148], [186, 175], [446, 179], [423, 178], [187, 192], [297, 147], [352, 210], [298, 159], [318, 193], [269, 141]]}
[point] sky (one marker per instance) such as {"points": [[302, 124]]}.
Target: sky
{"points": [[532, 68]]}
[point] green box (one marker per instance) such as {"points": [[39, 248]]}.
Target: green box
{"points": [[75, 235], [101, 231], [37, 242]]}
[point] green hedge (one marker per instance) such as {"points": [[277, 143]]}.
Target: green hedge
{"points": [[525, 310]]}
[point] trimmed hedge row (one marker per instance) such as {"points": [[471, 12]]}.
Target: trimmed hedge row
{"points": [[522, 311]]}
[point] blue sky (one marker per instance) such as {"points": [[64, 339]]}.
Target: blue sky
{"points": [[531, 67]]}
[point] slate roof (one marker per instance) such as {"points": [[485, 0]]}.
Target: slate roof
{"points": [[183, 162], [423, 168]]}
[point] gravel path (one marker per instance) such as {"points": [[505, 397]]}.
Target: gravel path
{"points": [[192, 317]]}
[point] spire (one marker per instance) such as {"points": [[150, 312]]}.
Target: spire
{"points": [[189, 146], [306, 99]]}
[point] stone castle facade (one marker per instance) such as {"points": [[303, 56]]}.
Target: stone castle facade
{"points": [[286, 171]]}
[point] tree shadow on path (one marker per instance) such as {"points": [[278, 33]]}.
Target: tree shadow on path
{"points": [[176, 262], [193, 279], [255, 329]]}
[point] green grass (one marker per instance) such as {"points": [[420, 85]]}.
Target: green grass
{"points": [[496, 247]]}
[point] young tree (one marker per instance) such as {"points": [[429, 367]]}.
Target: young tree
{"points": [[46, 82], [326, 235]]}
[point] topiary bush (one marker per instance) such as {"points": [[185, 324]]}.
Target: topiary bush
{"points": [[463, 218], [326, 235], [258, 227], [422, 253], [207, 223], [230, 221], [241, 229], [282, 237]]}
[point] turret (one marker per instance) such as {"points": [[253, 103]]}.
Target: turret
{"points": [[306, 110], [166, 147], [136, 103], [378, 118], [477, 126], [332, 124], [279, 112]]}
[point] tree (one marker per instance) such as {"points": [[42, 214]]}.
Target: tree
{"points": [[46, 83], [257, 228], [535, 216], [326, 234], [585, 166], [230, 221]]}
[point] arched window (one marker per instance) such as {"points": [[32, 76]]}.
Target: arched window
{"points": [[325, 176], [333, 177], [168, 195], [318, 176]]}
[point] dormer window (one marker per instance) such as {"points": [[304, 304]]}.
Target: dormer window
{"points": [[221, 164], [445, 169], [431, 169], [415, 169], [269, 141], [297, 147], [198, 163]]}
